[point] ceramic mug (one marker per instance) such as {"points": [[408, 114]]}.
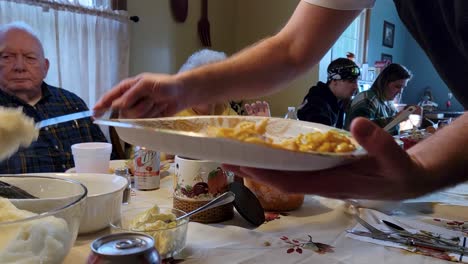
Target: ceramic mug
{"points": [[199, 180]]}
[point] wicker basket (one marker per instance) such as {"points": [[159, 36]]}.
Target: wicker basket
{"points": [[217, 214]]}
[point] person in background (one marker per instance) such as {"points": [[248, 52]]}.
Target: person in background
{"points": [[197, 59], [23, 69], [200, 58], [428, 103], [325, 102], [376, 104], [207, 56], [388, 172]]}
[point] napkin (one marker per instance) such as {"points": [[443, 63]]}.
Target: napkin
{"points": [[457, 195], [375, 218]]}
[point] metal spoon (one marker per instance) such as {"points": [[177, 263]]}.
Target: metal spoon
{"points": [[225, 198]]}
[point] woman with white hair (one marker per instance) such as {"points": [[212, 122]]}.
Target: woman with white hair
{"points": [[197, 59]]}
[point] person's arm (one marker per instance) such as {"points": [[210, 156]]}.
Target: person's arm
{"points": [[445, 153], [264, 67], [257, 70]]}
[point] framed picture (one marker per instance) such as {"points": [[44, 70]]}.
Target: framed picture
{"points": [[388, 34], [386, 57]]}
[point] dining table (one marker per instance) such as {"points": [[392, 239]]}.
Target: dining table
{"points": [[317, 232]]}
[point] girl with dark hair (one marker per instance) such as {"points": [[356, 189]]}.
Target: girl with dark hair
{"points": [[376, 103]]}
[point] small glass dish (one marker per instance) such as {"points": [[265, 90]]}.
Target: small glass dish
{"points": [[168, 241]]}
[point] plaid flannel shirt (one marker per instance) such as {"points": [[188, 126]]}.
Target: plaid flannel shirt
{"points": [[368, 104], [52, 150]]}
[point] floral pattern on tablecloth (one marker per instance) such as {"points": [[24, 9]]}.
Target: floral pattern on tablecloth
{"points": [[270, 216], [461, 226], [298, 245]]}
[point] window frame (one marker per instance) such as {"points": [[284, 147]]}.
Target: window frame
{"points": [[362, 47]]}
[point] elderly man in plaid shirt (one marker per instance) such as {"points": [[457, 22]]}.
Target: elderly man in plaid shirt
{"points": [[23, 68]]}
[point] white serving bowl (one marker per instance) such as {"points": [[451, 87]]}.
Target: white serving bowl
{"points": [[104, 199]]}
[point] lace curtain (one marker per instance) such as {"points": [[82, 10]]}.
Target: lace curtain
{"points": [[86, 42]]}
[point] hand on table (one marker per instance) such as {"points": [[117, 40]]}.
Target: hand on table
{"points": [[387, 173], [145, 95], [258, 108]]}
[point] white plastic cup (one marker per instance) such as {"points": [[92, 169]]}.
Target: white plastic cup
{"points": [[92, 157]]}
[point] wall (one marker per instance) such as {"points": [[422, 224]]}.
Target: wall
{"points": [[385, 10], [407, 52], [159, 44], [425, 76], [250, 29]]}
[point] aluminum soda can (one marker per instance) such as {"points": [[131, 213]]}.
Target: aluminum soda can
{"points": [[146, 169], [123, 248]]}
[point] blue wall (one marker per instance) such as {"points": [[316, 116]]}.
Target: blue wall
{"points": [[384, 10], [407, 52]]}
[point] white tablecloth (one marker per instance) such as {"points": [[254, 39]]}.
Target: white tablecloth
{"points": [[282, 240]]}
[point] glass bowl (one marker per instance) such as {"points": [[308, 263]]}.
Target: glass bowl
{"points": [[41, 229], [168, 241]]}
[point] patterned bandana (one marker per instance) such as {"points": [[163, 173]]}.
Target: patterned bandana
{"points": [[350, 72]]}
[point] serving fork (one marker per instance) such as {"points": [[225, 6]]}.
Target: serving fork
{"points": [[204, 25]]}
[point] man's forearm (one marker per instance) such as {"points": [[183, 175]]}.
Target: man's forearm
{"points": [[264, 67]]}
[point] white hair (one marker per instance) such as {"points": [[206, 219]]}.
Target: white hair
{"points": [[23, 26], [202, 57]]}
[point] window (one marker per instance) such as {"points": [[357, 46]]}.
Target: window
{"points": [[106, 4], [85, 2], [352, 40]]}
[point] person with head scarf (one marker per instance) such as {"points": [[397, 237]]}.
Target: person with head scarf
{"points": [[325, 102]]}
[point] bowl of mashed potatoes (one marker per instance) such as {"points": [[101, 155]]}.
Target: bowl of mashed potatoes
{"points": [[160, 223], [39, 218]]}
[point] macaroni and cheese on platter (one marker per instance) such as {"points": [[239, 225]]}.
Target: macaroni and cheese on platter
{"points": [[261, 142]]}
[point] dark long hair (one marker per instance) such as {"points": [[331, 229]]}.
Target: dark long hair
{"points": [[393, 72]]}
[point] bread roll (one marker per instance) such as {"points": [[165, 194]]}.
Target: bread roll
{"points": [[272, 199]]}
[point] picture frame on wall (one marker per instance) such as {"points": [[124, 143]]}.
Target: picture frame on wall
{"points": [[388, 35], [387, 58]]}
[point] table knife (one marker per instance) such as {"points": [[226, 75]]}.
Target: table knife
{"points": [[63, 118], [413, 243]]}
